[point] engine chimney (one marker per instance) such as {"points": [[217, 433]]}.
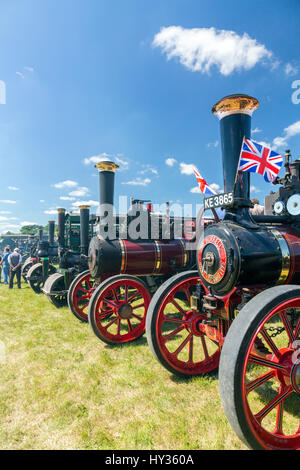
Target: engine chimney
{"points": [[51, 227], [84, 228], [61, 217], [234, 113], [107, 181], [41, 234]]}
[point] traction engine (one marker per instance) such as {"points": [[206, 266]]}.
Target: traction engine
{"points": [[40, 265], [241, 307], [74, 233], [124, 272]]}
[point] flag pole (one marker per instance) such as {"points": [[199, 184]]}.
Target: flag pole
{"points": [[238, 165]]}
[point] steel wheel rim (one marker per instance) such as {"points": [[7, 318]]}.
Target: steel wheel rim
{"points": [[279, 369], [87, 292], [182, 358], [111, 318]]}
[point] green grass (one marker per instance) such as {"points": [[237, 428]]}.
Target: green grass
{"points": [[62, 388]]}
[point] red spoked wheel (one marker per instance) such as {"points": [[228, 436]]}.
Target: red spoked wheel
{"points": [[79, 295], [118, 308], [173, 332], [260, 371]]}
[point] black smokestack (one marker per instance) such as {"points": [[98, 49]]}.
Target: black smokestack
{"points": [[84, 229], [61, 217], [107, 181], [41, 234], [51, 227], [234, 113]]}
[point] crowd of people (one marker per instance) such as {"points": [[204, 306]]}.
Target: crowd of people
{"points": [[10, 265]]}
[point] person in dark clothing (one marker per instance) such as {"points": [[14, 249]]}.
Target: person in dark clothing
{"points": [[15, 260], [5, 265]]}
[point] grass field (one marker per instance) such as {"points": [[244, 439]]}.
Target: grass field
{"points": [[62, 388]]}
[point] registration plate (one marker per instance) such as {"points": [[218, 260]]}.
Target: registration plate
{"points": [[219, 200]]}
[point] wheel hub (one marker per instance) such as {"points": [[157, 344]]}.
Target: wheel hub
{"points": [[295, 378], [125, 311]]}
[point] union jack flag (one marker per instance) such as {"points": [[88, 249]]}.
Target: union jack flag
{"points": [[257, 158], [203, 186]]}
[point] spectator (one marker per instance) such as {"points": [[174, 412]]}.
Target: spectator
{"points": [[257, 209], [15, 260], [5, 265]]}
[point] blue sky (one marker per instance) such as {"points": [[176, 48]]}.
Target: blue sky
{"points": [[135, 80]]}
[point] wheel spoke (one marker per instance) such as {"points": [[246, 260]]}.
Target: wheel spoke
{"points": [[259, 381], [129, 324], [173, 333], [297, 329], [183, 344], [137, 317], [111, 322], [138, 306], [203, 341], [83, 298], [115, 296], [271, 343], [173, 301], [110, 303], [276, 401], [279, 416], [133, 296], [265, 362], [191, 349], [173, 320], [287, 326]]}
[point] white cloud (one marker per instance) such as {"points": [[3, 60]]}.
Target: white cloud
{"points": [[138, 182], [29, 69], [213, 144], [196, 189], [82, 191], [85, 203], [13, 188], [148, 169], [5, 212], [170, 161], [2, 218], [20, 74], [97, 158], [187, 168], [7, 201], [199, 49], [290, 69], [254, 189], [27, 223], [67, 198], [42, 200], [50, 211], [65, 184], [290, 131], [255, 131], [5, 227]]}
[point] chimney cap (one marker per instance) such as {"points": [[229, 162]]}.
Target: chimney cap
{"points": [[84, 206], [106, 164], [234, 104], [61, 209]]}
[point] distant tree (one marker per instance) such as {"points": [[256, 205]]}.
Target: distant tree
{"points": [[29, 229]]}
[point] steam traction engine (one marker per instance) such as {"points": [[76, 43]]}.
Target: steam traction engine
{"points": [[241, 310], [114, 294], [74, 233], [41, 264], [42, 253]]}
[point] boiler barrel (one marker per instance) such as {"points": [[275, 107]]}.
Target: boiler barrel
{"points": [[142, 258]]}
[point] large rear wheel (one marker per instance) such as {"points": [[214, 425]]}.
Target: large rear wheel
{"points": [[35, 276], [118, 308], [260, 370], [173, 332], [79, 294]]}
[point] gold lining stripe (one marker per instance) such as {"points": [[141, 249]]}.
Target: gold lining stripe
{"points": [[158, 257], [124, 257], [185, 254], [285, 256]]}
